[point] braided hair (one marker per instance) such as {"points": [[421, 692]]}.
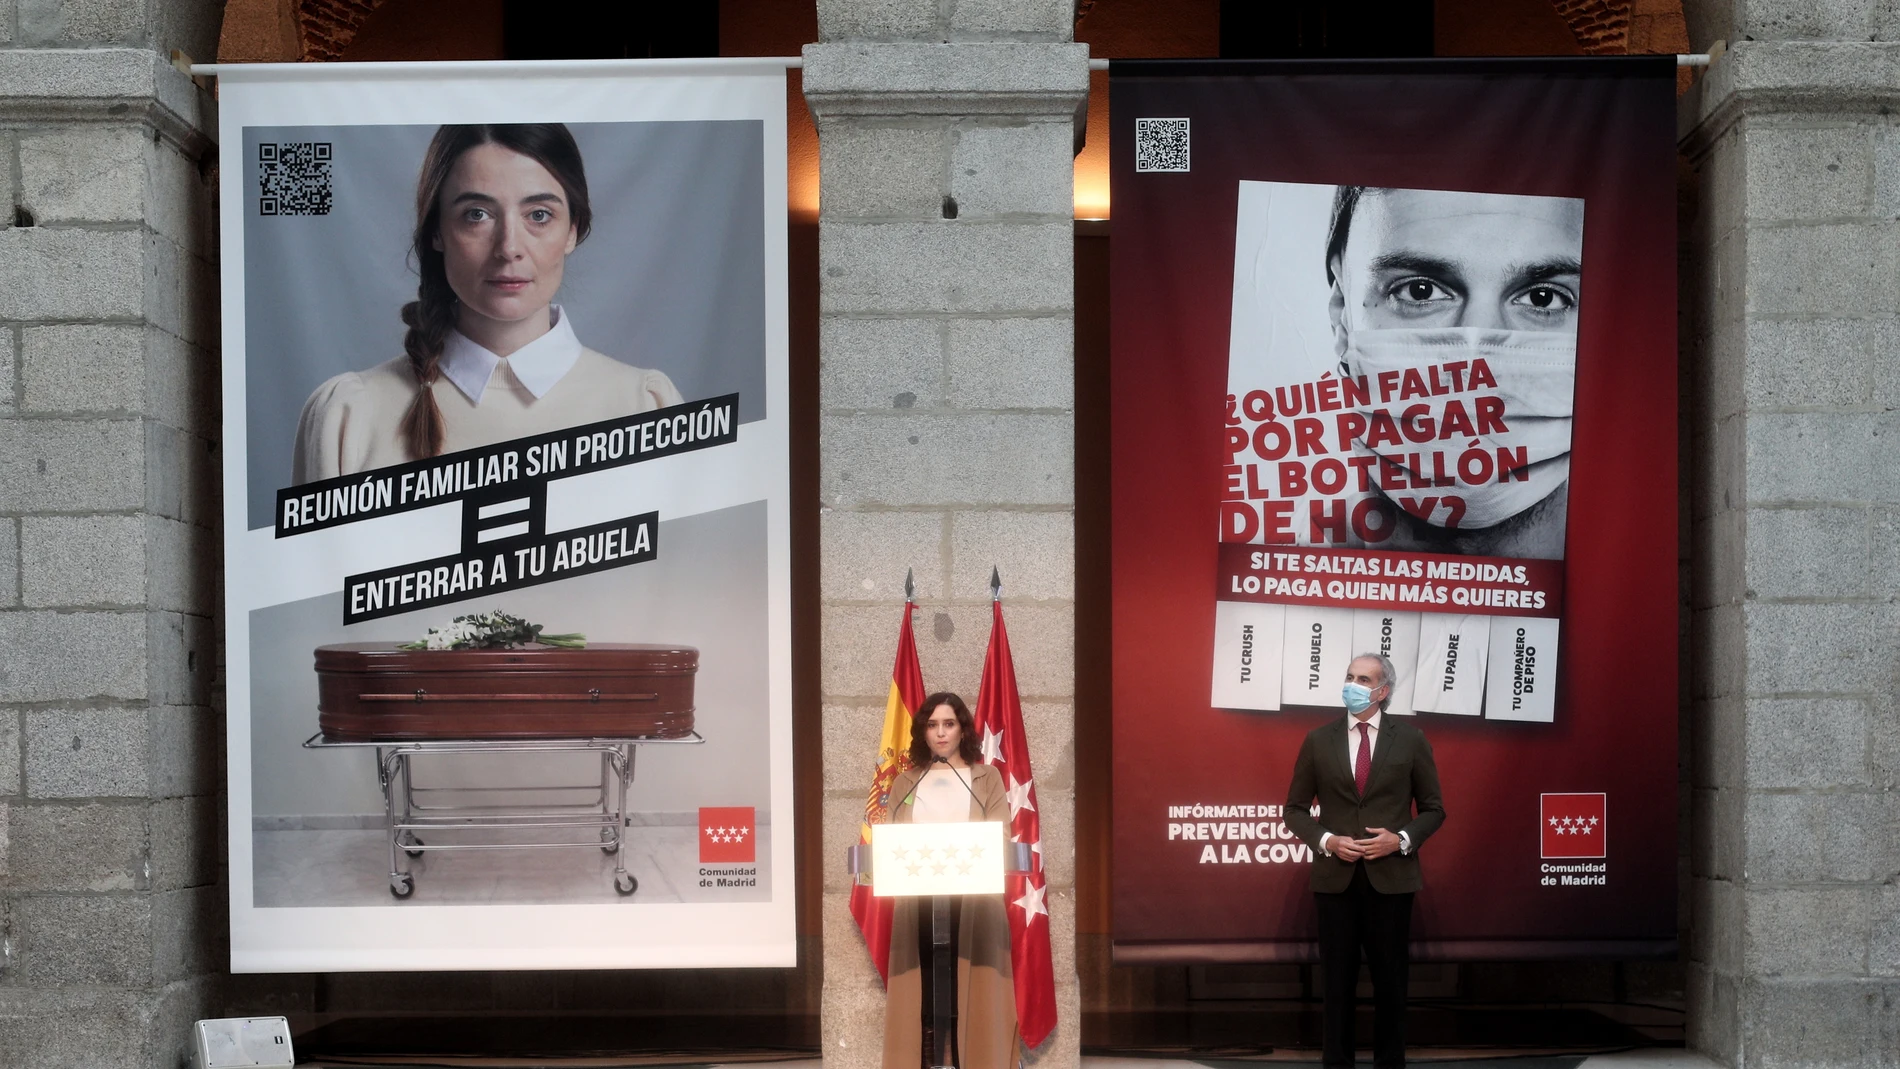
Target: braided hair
{"points": [[433, 313]]}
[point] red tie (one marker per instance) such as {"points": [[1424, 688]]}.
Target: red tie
{"points": [[1362, 765]]}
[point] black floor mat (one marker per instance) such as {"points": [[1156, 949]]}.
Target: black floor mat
{"points": [[675, 1039], [1214, 1033]]}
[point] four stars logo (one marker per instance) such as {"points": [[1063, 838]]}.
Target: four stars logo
{"points": [[727, 834], [1573, 825]]}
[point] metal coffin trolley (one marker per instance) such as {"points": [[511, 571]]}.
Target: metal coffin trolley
{"points": [[405, 704]]}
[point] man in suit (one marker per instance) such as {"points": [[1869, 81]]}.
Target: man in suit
{"points": [[1367, 772]]}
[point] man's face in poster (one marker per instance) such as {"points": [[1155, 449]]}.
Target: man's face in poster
{"points": [[1425, 259]]}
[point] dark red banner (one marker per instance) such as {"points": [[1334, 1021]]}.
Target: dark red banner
{"points": [[1394, 372]]}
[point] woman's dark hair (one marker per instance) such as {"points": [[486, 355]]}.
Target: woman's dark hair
{"points": [[967, 748], [431, 315]]}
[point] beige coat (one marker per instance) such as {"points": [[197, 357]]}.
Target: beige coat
{"points": [[986, 999]]}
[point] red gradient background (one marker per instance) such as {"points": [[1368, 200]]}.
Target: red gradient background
{"points": [[1602, 129]]}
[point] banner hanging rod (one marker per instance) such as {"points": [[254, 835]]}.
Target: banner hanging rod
{"points": [[1692, 59], [503, 66]]}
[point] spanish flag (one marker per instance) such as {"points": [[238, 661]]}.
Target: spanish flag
{"points": [[893, 756]]}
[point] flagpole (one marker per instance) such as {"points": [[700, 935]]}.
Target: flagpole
{"points": [[999, 715], [873, 914]]}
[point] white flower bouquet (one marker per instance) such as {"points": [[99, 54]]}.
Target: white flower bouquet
{"points": [[492, 631]]}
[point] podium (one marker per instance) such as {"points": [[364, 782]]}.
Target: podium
{"points": [[942, 862]]}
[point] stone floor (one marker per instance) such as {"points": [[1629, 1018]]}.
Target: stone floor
{"points": [[1640, 1058], [350, 867], [1644, 1058]]}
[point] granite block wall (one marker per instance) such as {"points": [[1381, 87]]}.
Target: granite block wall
{"points": [[947, 438], [1791, 303], [111, 894]]}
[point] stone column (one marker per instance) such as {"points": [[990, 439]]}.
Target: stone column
{"points": [[947, 324], [112, 915], [1792, 350]]}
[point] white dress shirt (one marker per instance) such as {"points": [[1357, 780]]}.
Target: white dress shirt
{"points": [[941, 797]]}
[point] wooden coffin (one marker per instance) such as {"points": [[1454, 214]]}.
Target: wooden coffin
{"points": [[369, 690]]}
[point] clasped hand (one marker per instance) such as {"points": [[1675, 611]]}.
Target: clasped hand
{"points": [[1377, 845]]}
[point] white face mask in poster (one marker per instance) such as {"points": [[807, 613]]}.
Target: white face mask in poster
{"points": [[1536, 374]]}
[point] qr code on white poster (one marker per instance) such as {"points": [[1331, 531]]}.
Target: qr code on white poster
{"points": [[1161, 144], [293, 178]]}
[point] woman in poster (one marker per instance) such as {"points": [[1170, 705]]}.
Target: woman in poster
{"points": [[488, 356], [944, 784]]}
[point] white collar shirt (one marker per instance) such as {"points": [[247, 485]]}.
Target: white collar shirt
{"points": [[1352, 736], [537, 365], [943, 797]]}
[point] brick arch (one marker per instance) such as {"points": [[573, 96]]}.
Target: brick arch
{"points": [[1601, 27], [328, 26], [286, 31], [1625, 27]]}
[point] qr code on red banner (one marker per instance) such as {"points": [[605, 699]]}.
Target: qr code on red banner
{"points": [[293, 178], [1161, 144]]}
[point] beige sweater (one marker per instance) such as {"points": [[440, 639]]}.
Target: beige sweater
{"points": [[351, 422]]}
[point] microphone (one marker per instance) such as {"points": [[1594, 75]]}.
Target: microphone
{"points": [[945, 761]]}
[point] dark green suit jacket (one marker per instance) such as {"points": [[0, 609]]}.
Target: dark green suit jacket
{"points": [[1403, 773]]}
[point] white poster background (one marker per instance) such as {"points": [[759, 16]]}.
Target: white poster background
{"points": [[1394, 634], [1521, 683], [1318, 645], [1451, 658], [1248, 655], [263, 571]]}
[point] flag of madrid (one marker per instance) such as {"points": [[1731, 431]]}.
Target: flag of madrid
{"points": [[726, 833], [1574, 825], [999, 723]]}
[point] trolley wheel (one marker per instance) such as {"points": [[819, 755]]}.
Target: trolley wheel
{"points": [[608, 844], [625, 883], [402, 885], [412, 852]]}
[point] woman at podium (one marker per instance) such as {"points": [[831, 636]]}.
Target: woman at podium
{"points": [[947, 783]]}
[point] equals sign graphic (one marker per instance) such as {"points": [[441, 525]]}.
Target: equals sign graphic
{"points": [[512, 515]]}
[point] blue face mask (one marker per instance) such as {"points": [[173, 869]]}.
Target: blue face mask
{"points": [[1358, 698]]}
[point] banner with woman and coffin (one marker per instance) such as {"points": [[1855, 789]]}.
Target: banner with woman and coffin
{"points": [[506, 516], [1393, 373]]}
